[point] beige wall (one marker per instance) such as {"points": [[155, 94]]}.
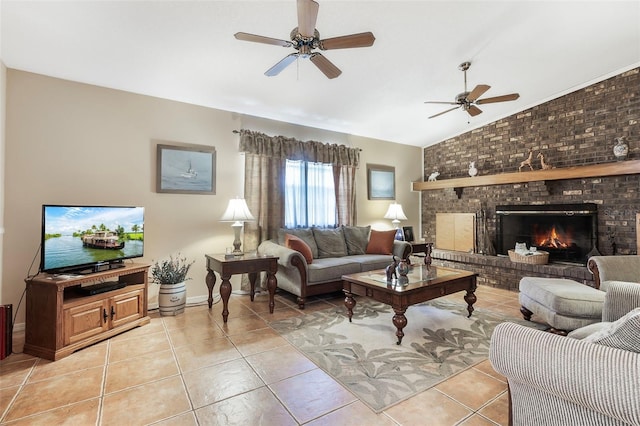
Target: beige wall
{"points": [[72, 143], [3, 99]]}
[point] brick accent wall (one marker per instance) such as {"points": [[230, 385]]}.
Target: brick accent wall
{"points": [[576, 129]]}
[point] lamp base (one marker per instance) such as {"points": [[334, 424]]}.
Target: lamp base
{"points": [[237, 226]]}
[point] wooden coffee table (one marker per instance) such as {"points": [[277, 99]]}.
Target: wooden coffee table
{"points": [[421, 284]]}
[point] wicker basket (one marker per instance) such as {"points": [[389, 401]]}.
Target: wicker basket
{"points": [[534, 259]]}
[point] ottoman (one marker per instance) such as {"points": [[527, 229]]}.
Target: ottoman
{"points": [[563, 304]]}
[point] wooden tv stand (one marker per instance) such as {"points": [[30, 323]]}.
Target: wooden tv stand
{"points": [[60, 319]]}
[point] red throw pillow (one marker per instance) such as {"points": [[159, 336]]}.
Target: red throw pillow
{"points": [[381, 242], [297, 244]]}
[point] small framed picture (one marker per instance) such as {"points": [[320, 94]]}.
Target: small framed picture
{"points": [[186, 169], [381, 182], [408, 233]]}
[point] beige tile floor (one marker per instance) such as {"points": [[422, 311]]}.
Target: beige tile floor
{"points": [[193, 369]]}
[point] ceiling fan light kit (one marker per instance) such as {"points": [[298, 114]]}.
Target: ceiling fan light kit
{"points": [[305, 38], [468, 101]]}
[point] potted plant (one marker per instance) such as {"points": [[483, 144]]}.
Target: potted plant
{"points": [[171, 274]]}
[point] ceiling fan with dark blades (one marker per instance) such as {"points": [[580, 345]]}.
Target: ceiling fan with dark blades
{"points": [[468, 101], [305, 38]]}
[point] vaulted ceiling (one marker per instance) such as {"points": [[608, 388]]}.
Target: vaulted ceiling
{"points": [[186, 51]]}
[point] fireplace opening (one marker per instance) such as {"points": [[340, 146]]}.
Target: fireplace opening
{"points": [[568, 232]]}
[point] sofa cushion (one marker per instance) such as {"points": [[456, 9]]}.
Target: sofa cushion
{"points": [[622, 334], [369, 262], [381, 242], [357, 238], [330, 242], [331, 269], [298, 244], [305, 234]]}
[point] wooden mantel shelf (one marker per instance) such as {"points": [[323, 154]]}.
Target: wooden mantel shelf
{"points": [[630, 167]]}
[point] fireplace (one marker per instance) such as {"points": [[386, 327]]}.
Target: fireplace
{"points": [[568, 232]]}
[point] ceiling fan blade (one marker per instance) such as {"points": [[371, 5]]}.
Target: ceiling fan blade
{"points": [[441, 102], [325, 65], [277, 68], [307, 16], [477, 92], [444, 112], [262, 39], [474, 110], [348, 41], [503, 98]]}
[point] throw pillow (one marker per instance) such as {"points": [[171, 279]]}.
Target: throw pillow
{"points": [[298, 244], [357, 238], [305, 234], [622, 334], [381, 242], [330, 242]]}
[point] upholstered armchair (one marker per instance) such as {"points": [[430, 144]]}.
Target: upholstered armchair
{"points": [[614, 268], [556, 380]]}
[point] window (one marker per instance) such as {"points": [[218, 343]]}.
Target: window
{"points": [[310, 198]]}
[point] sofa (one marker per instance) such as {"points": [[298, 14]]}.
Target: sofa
{"points": [[606, 269], [312, 261], [591, 377]]}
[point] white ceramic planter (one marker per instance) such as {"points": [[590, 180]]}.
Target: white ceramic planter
{"points": [[172, 298]]}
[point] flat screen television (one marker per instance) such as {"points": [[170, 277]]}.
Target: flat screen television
{"points": [[87, 239]]}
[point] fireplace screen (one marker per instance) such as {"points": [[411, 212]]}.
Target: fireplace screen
{"points": [[567, 231]]}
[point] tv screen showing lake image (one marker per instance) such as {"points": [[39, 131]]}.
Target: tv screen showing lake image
{"points": [[81, 236]]}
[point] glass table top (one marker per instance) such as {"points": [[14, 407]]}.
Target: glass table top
{"points": [[419, 275]]}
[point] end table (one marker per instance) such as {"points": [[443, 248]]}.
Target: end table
{"points": [[249, 263], [423, 247]]}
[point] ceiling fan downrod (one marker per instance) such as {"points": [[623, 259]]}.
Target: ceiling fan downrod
{"points": [[464, 67]]}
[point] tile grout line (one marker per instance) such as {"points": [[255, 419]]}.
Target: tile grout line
{"points": [[20, 388], [104, 384], [180, 373]]}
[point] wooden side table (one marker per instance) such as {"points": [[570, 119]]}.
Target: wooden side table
{"points": [[423, 247], [250, 264]]}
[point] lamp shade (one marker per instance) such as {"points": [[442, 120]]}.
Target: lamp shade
{"points": [[395, 213], [237, 211]]}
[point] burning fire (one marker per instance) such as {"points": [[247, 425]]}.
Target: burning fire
{"points": [[552, 240]]}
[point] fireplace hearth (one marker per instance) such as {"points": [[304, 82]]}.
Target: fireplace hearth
{"points": [[568, 232]]}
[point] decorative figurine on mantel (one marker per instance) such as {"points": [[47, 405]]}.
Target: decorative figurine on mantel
{"points": [[473, 171], [527, 162], [620, 149], [545, 166], [433, 176]]}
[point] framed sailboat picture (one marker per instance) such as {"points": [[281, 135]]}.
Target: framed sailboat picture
{"points": [[186, 169]]}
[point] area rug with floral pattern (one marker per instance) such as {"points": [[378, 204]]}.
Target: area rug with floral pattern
{"points": [[363, 355]]}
